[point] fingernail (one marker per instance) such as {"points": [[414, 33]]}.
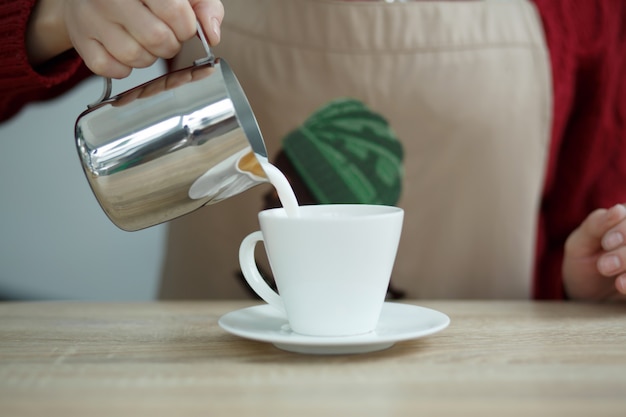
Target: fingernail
{"points": [[215, 26], [609, 264], [618, 210], [612, 240], [620, 283]]}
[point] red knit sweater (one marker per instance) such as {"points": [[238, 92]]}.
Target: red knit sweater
{"points": [[587, 162], [19, 82]]}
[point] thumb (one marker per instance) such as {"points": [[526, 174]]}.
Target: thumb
{"points": [[210, 14]]}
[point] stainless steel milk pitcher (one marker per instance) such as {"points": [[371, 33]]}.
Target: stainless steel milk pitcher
{"points": [[172, 145]]}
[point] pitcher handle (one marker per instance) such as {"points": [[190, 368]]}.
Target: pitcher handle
{"points": [[106, 93], [209, 58], [209, 55]]}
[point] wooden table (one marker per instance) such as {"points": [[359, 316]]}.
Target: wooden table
{"points": [[172, 359]]}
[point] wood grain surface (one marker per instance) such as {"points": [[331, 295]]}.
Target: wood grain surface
{"points": [[497, 358]]}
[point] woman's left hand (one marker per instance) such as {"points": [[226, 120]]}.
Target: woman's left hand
{"points": [[594, 262]]}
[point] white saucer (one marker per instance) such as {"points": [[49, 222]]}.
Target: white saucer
{"points": [[397, 322]]}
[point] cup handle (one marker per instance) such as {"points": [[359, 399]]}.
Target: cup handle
{"points": [[251, 273]]}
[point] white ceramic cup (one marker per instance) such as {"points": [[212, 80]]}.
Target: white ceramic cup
{"points": [[331, 263]]}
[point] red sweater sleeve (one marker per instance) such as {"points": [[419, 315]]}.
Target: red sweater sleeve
{"points": [[19, 82], [587, 160]]}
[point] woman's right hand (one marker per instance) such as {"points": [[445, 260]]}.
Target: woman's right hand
{"points": [[115, 36]]}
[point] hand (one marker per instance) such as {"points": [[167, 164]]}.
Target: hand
{"points": [[115, 36], [594, 264]]}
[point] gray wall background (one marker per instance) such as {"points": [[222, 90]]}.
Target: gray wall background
{"points": [[55, 241]]}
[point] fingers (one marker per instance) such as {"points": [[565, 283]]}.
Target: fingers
{"points": [[99, 60], [601, 227], [128, 49], [613, 261], [594, 263], [614, 237], [178, 15], [164, 26], [210, 14], [137, 33], [115, 36], [620, 284]]}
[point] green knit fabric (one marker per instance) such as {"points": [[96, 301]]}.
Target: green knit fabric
{"points": [[346, 153]]}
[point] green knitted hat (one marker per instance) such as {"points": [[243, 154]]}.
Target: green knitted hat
{"points": [[345, 153]]}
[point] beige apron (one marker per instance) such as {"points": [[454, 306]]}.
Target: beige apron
{"points": [[466, 87]]}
